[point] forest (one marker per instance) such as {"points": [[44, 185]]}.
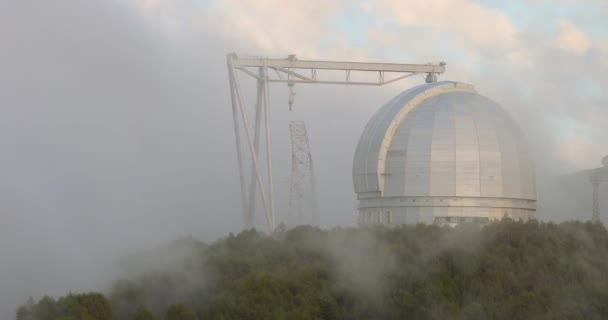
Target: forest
{"points": [[504, 270]]}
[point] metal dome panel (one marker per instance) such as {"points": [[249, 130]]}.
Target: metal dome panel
{"points": [[444, 141]]}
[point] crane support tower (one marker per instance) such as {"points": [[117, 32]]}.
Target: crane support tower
{"points": [[290, 71], [303, 207], [597, 176], [595, 182]]}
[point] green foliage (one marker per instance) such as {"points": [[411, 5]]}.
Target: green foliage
{"points": [[126, 299], [142, 313], [26, 311], [180, 312], [506, 270], [87, 306]]}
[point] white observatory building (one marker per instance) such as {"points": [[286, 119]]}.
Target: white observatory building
{"points": [[442, 153]]}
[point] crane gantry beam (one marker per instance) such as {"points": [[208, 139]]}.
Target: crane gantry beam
{"points": [[291, 71]]}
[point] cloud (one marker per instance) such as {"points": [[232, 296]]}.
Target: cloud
{"points": [[602, 47], [265, 26], [573, 150], [469, 24], [571, 39], [151, 4], [108, 132]]}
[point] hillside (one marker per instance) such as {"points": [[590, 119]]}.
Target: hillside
{"points": [[507, 270]]}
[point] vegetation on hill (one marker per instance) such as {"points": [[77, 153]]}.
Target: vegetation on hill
{"points": [[506, 270]]}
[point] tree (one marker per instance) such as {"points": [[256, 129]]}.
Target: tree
{"points": [[93, 306], [46, 309], [142, 313], [26, 311], [180, 312], [505, 270]]}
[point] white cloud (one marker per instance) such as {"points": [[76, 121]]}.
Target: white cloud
{"points": [[572, 39], [602, 46], [265, 26], [149, 4], [275, 26], [469, 23], [575, 151]]}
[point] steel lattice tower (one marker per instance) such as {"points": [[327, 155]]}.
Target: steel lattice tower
{"points": [[302, 199], [596, 199], [598, 176], [596, 179]]}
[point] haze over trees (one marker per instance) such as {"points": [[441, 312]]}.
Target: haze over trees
{"points": [[506, 270]]}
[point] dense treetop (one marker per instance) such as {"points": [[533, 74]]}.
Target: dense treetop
{"points": [[506, 270]]}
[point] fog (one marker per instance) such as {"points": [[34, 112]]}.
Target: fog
{"points": [[112, 140], [116, 130]]}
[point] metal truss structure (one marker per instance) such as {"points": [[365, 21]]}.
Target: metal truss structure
{"points": [[303, 207], [595, 182], [597, 176], [291, 71]]}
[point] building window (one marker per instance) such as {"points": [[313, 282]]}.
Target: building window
{"points": [[389, 218]]}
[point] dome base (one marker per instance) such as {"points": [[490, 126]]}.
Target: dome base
{"points": [[397, 215]]}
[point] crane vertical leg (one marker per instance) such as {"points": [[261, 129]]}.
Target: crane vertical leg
{"points": [[249, 220], [254, 157], [237, 135], [268, 146]]}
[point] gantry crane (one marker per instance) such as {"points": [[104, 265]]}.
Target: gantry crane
{"points": [[291, 71]]}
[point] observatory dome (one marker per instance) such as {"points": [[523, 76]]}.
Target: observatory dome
{"points": [[442, 153]]}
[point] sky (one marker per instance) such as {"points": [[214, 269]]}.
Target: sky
{"points": [[116, 128]]}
